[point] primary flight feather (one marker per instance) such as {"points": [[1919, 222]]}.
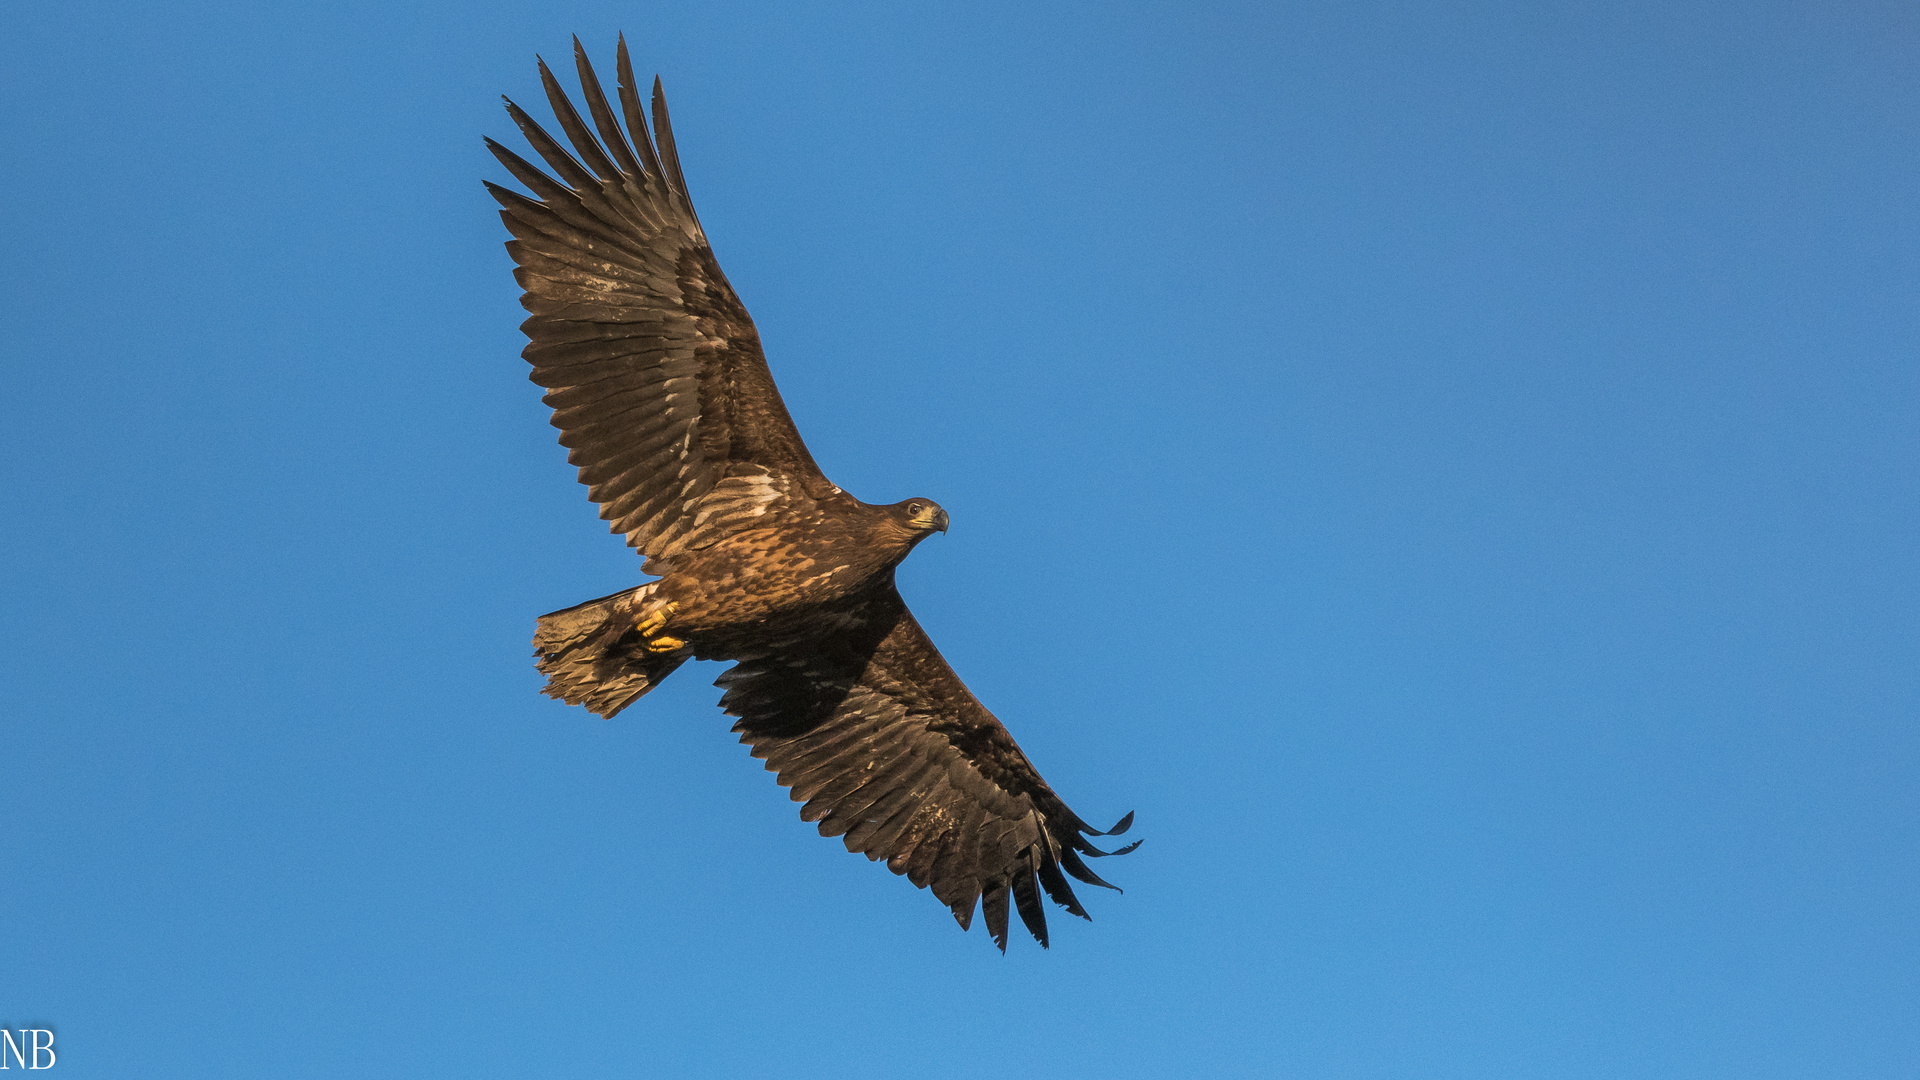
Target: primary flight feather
{"points": [[664, 401]]}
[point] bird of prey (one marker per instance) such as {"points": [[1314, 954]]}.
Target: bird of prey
{"points": [[665, 403]]}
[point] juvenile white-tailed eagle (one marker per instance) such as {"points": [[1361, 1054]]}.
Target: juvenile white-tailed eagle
{"points": [[663, 398]]}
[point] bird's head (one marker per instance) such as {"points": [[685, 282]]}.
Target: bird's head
{"points": [[921, 517]]}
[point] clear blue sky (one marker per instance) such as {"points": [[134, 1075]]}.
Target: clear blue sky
{"points": [[1451, 468]]}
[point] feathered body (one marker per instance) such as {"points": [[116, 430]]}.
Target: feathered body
{"points": [[664, 399]]}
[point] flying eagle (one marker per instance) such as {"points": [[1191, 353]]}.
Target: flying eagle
{"points": [[664, 401]]}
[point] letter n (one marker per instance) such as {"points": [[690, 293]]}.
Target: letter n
{"points": [[9, 1044]]}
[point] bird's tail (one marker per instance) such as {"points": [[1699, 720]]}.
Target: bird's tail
{"points": [[592, 655]]}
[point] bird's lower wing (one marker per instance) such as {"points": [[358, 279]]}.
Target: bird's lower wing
{"points": [[874, 732]]}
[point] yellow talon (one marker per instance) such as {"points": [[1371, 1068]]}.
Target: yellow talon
{"points": [[652, 624], [664, 644]]}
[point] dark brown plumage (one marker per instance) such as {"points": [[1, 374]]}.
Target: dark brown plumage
{"points": [[664, 401]]}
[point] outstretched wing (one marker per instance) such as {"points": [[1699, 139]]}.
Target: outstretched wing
{"points": [[651, 363], [874, 732]]}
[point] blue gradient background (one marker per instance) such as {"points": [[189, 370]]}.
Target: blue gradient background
{"points": [[1450, 468]]}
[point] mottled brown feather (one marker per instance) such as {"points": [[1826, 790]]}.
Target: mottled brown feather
{"points": [[889, 748], [626, 299]]}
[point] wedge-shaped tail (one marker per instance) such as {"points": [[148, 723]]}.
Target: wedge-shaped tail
{"points": [[593, 655]]}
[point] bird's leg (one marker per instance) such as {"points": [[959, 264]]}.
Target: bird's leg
{"points": [[656, 621], [651, 623]]}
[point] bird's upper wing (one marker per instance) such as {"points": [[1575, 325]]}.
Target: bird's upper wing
{"points": [[651, 363], [875, 733]]}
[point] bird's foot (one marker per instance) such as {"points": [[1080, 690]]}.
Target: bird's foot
{"points": [[656, 621]]}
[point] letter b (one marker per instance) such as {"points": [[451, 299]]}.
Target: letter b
{"points": [[40, 1048]]}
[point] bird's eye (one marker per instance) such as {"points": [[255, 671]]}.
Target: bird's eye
{"points": [[913, 509]]}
